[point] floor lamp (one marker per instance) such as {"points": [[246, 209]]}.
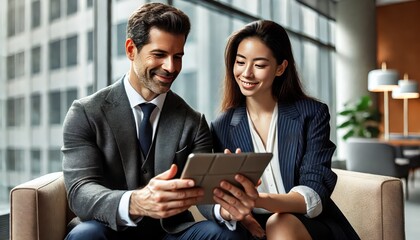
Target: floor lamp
{"points": [[406, 89], [383, 80]]}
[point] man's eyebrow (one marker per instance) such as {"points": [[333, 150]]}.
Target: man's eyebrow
{"points": [[255, 59], [165, 52]]}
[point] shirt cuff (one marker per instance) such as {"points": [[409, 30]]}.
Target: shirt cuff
{"points": [[231, 225], [312, 200], [123, 216]]}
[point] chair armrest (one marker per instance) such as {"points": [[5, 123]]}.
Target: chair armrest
{"points": [[373, 204], [38, 209]]}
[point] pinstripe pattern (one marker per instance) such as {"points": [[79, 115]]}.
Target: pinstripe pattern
{"points": [[304, 148]]}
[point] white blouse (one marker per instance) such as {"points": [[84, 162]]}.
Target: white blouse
{"points": [[272, 181]]}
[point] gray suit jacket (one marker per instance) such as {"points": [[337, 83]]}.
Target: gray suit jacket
{"points": [[305, 152], [102, 156]]}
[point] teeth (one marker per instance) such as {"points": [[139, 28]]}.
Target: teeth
{"points": [[248, 83]]}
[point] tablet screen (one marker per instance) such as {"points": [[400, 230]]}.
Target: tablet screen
{"points": [[208, 169]]}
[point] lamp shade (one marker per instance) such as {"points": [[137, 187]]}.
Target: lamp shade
{"points": [[406, 89], [380, 80]]}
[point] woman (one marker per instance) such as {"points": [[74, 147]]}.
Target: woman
{"points": [[264, 109]]}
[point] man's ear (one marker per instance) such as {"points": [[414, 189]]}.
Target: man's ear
{"points": [[130, 49], [281, 68]]}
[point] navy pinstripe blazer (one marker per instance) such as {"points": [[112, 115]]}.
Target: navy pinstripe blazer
{"points": [[304, 147]]}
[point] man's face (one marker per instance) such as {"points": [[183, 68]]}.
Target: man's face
{"points": [[155, 67]]}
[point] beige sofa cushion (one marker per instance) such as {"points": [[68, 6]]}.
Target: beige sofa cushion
{"points": [[39, 209], [373, 204]]}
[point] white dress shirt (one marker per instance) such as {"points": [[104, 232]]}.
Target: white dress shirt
{"points": [[135, 99]]}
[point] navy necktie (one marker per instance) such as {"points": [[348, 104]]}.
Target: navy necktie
{"points": [[146, 129]]}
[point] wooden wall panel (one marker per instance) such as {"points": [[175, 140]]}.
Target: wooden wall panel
{"points": [[398, 37]]}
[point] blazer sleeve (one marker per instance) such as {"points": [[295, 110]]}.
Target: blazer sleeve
{"points": [[315, 167], [82, 168]]}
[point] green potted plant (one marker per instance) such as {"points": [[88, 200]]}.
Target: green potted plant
{"points": [[361, 119]]}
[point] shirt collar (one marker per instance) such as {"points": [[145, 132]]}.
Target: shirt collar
{"points": [[135, 98]]}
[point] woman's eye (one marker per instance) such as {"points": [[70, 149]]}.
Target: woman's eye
{"points": [[260, 66], [239, 62]]}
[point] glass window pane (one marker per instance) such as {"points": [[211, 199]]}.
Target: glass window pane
{"points": [[54, 160], [11, 16], [71, 48], [309, 22], [20, 64], [35, 109], [15, 112], [121, 36], [323, 34], [90, 46], [36, 59], [11, 67], [71, 96], [14, 160], [55, 54], [20, 21], [55, 107], [35, 163], [295, 17], [71, 6], [55, 9], [36, 14]]}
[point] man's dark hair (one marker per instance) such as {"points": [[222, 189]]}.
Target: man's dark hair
{"points": [[158, 15]]}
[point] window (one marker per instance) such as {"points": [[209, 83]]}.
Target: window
{"points": [[36, 60], [36, 13], [15, 112], [15, 65], [15, 21], [54, 156], [71, 7], [14, 160], [11, 17], [35, 162], [90, 46], [89, 3], [55, 9], [71, 96], [10, 67], [55, 54], [186, 86], [55, 107], [71, 48], [36, 109], [89, 90], [121, 36], [20, 64]]}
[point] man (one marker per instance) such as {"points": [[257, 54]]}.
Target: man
{"points": [[118, 185]]}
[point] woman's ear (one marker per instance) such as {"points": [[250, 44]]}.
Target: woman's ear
{"points": [[130, 48], [281, 68]]}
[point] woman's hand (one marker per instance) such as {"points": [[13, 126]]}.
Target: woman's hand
{"points": [[236, 203]]}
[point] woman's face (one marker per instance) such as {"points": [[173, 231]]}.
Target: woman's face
{"points": [[255, 68]]}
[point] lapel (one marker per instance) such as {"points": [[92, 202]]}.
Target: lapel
{"points": [[288, 129], [120, 118], [239, 131], [169, 132], [289, 133]]}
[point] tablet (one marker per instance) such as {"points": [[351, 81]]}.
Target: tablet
{"points": [[208, 169]]}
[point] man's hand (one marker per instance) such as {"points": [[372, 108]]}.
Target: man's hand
{"points": [[235, 203], [164, 197]]}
